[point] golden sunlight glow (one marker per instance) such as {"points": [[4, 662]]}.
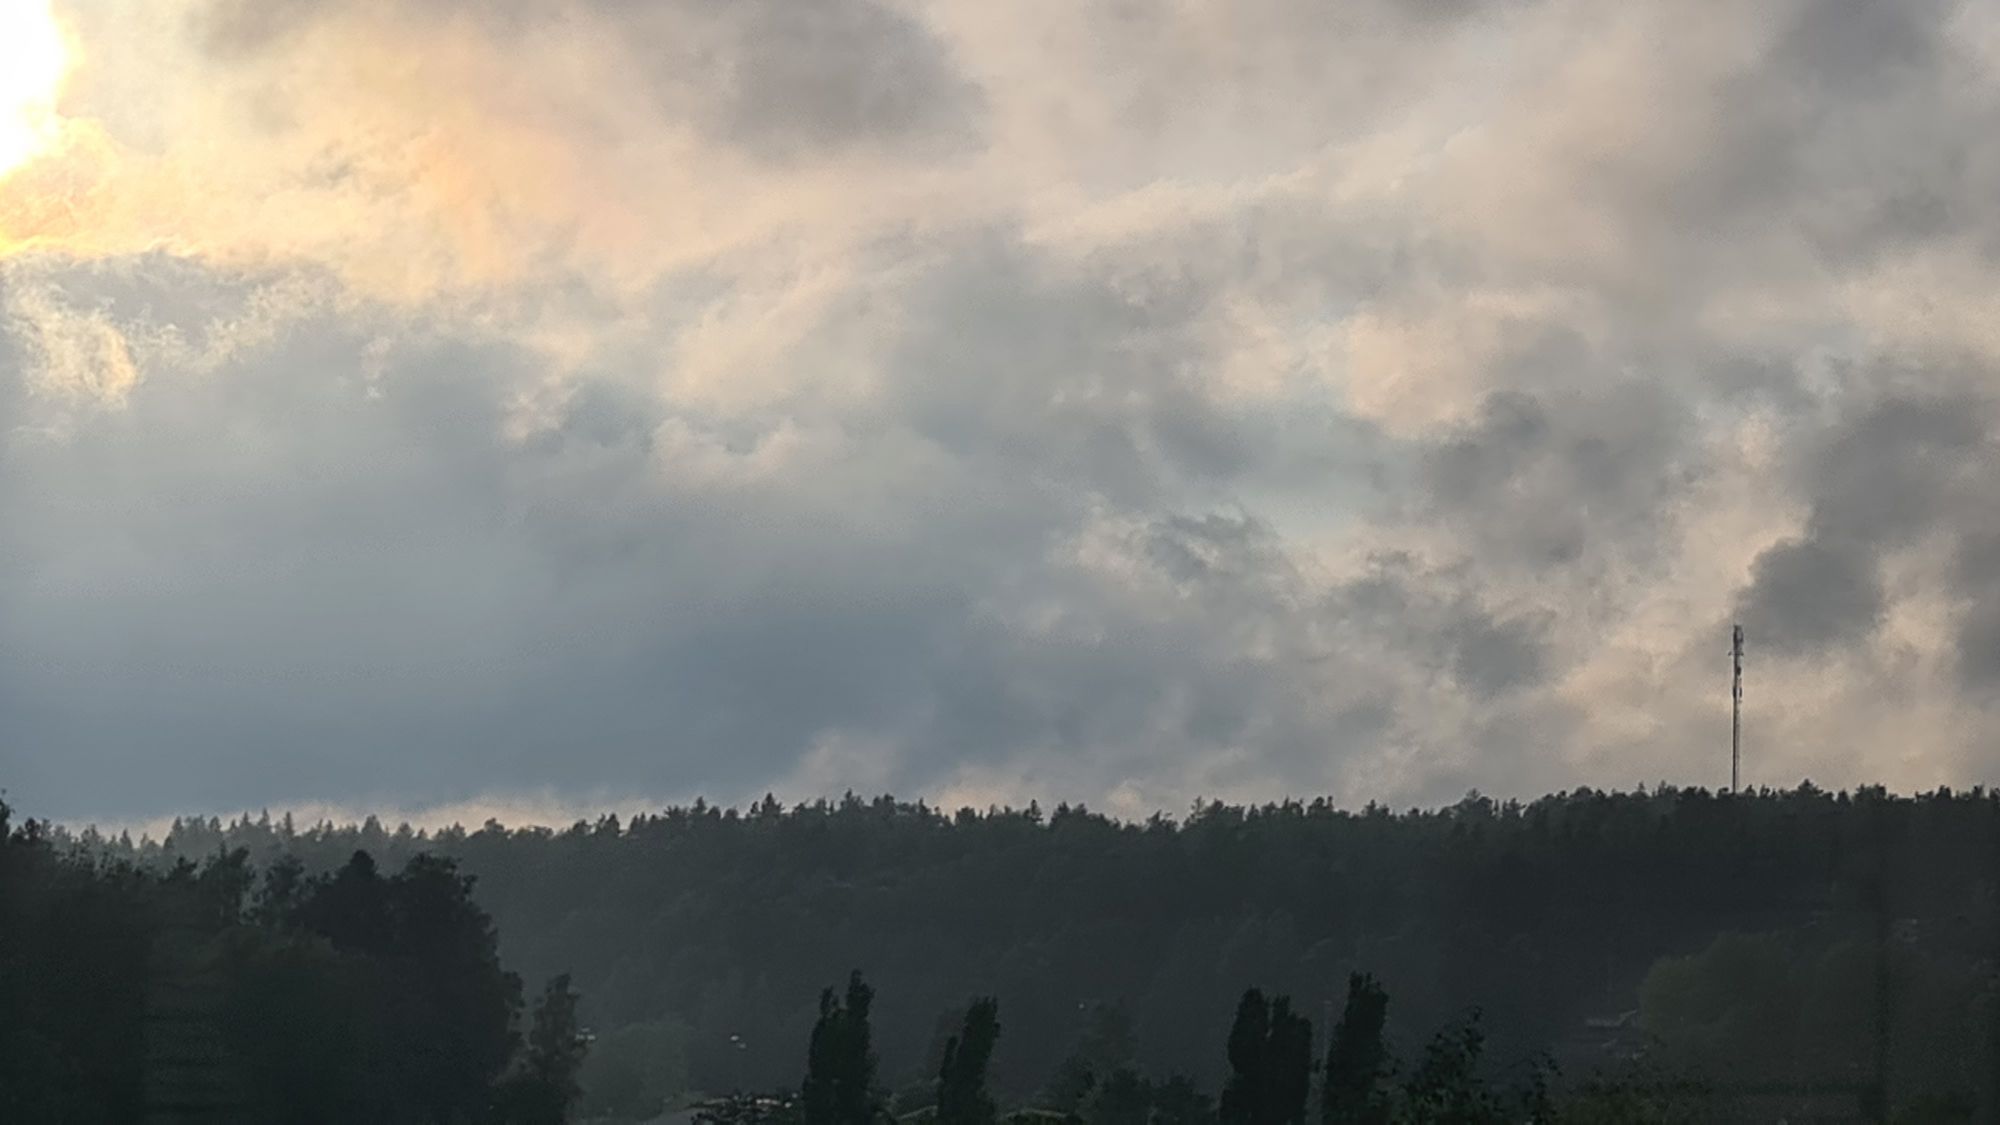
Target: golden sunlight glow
{"points": [[33, 59]]}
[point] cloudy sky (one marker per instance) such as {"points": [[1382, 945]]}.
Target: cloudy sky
{"points": [[540, 405]]}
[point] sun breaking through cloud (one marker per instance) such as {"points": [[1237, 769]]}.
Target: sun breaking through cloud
{"points": [[34, 57]]}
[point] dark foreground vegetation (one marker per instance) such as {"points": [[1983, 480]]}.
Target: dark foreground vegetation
{"points": [[201, 993], [1649, 956], [1274, 1077]]}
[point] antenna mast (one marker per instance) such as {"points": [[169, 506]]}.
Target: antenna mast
{"points": [[1735, 708]]}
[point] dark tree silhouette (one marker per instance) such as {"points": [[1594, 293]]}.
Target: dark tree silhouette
{"points": [[127, 994], [74, 939], [1445, 1087], [1357, 1058], [839, 1086], [962, 1097], [1586, 924], [1178, 1101], [1289, 1071], [543, 1086], [1270, 1062], [1105, 1046], [1122, 1097], [1249, 1035]]}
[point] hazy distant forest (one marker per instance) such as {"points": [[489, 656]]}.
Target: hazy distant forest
{"points": [[1664, 955]]}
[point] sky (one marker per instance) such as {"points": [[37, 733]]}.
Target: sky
{"points": [[449, 406]]}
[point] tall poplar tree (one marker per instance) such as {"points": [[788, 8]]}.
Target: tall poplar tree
{"points": [[840, 1060], [962, 1098]]}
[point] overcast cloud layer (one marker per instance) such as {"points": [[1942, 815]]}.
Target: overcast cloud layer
{"points": [[416, 403]]}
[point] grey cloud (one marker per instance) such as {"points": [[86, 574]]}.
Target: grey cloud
{"points": [[1811, 595], [1878, 98], [235, 28], [830, 75], [394, 598], [1578, 477], [1894, 472], [1195, 549], [779, 79], [1977, 574], [1432, 619], [1978, 557], [1893, 469], [1003, 515], [1858, 44], [1491, 657], [285, 578], [1467, 469], [1979, 647], [1063, 377]]}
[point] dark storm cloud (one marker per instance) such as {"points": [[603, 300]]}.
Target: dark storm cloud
{"points": [[1065, 377], [1565, 478], [1900, 469], [1976, 574], [1876, 97], [1896, 468], [790, 79], [250, 615], [1812, 595], [1431, 618], [1979, 646], [1386, 397], [1856, 45], [1490, 657], [238, 618]]}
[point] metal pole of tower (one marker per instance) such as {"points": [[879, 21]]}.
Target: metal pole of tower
{"points": [[1736, 708]]}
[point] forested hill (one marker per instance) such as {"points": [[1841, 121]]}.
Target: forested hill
{"points": [[713, 930]]}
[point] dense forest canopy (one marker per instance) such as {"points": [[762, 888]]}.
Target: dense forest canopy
{"points": [[1745, 936], [199, 992]]}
